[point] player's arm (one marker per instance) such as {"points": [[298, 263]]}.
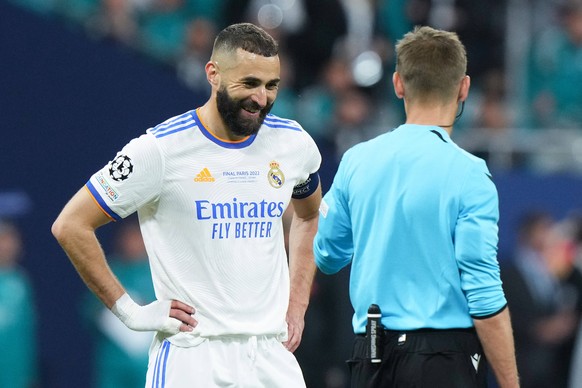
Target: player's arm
{"points": [[496, 336], [75, 229], [301, 264]]}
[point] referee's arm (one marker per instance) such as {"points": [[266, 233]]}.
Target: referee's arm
{"points": [[496, 336], [476, 252]]}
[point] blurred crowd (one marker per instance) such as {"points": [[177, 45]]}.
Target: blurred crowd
{"points": [[18, 314], [524, 57], [543, 285]]}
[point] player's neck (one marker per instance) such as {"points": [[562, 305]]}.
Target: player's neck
{"points": [[210, 118]]}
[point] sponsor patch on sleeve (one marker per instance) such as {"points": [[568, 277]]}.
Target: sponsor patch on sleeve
{"points": [[111, 193]]}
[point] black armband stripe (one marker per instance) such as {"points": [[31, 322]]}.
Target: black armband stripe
{"points": [[490, 315], [305, 189]]}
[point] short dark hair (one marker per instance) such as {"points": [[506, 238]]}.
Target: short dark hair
{"points": [[248, 37], [431, 63]]}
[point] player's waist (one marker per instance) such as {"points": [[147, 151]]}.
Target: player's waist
{"points": [[191, 339]]}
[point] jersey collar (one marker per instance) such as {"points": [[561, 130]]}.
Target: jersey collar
{"points": [[247, 141]]}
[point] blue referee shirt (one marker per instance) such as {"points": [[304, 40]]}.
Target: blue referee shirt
{"points": [[416, 216]]}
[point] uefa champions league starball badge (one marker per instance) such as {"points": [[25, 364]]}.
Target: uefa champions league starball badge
{"points": [[275, 175], [120, 168]]}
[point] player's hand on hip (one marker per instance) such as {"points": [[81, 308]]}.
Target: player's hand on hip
{"points": [[295, 325], [168, 316], [183, 313]]}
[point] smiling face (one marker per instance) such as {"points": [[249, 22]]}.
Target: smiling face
{"points": [[242, 117], [246, 90]]}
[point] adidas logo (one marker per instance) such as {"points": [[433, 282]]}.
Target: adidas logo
{"points": [[204, 176]]}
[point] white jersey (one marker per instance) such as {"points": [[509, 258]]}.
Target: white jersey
{"points": [[210, 213]]}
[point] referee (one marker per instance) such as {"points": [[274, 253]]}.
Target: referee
{"points": [[418, 224]]}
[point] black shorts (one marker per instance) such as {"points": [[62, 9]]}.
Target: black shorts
{"points": [[421, 359]]}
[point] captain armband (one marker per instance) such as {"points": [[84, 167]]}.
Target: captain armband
{"points": [[306, 188]]}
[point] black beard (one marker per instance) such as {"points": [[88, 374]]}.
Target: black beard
{"points": [[230, 108]]}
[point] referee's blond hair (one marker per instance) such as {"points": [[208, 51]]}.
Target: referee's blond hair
{"points": [[431, 64]]}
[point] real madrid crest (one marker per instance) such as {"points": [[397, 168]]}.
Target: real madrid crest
{"points": [[275, 175]]}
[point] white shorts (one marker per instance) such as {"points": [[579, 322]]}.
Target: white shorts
{"points": [[236, 362]]}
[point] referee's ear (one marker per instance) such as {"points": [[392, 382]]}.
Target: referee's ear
{"points": [[464, 89], [398, 85]]}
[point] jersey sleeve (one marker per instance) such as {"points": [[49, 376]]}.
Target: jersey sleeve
{"points": [[476, 239], [310, 176], [312, 155], [333, 243], [132, 179]]}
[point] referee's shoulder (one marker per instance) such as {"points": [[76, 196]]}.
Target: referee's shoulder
{"points": [[470, 159]]}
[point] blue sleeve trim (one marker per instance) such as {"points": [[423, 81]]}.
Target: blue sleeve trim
{"points": [[305, 189], [106, 209], [278, 122]]}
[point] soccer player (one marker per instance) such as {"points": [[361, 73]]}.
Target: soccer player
{"points": [[418, 223], [210, 187]]}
